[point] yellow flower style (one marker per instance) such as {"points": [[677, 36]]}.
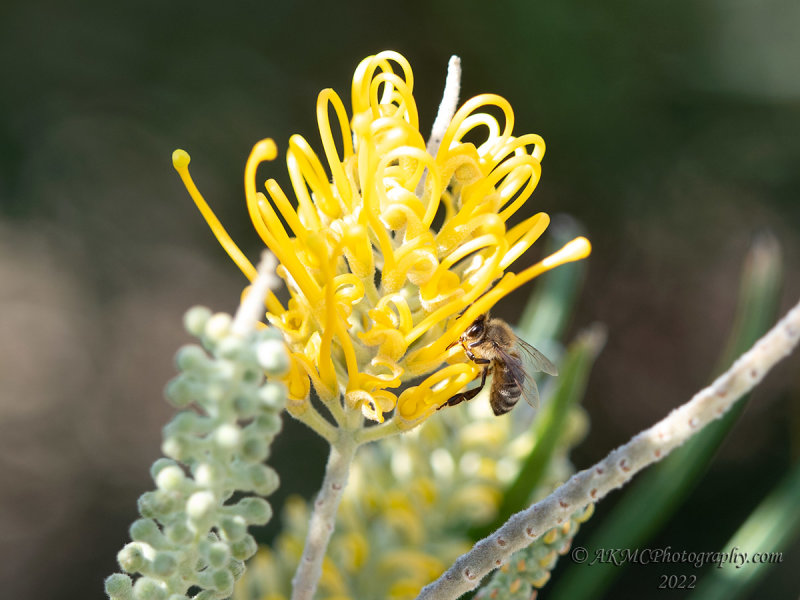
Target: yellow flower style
{"points": [[389, 241]]}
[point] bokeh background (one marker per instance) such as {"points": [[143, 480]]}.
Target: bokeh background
{"points": [[673, 135]]}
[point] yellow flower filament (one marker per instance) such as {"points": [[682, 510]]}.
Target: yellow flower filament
{"points": [[340, 180], [429, 395], [307, 170], [286, 209], [368, 217], [464, 121], [424, 160], [374, 287], [180, 160], [326, 368]]}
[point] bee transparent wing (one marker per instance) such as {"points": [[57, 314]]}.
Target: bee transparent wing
{"points": [[538, 361], [530, 391], [521, 376]]}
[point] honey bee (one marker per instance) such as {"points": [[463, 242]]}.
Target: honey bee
{"points": [[492, 343]]}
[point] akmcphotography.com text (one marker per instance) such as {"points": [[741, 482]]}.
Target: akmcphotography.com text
{"points": [[645, 556]]}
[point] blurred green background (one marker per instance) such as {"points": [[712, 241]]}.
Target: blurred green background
{"points": [[673, 135]]}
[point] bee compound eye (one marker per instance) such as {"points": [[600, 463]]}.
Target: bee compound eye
{"points": [[475, 330]]}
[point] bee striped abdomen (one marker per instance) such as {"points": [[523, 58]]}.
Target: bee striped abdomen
{"points": [[505, 391]]}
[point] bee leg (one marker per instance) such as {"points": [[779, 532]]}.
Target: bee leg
{"points": [[475, 359], [468, 395]]}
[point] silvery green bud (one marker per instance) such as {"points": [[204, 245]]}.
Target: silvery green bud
{"points": [[234, 527], [147, 588], [119, 587], [195, 320], [178, 532], [157, 504], [218, 555], [256, 511], [217, 327], [272, 357], [272, 396], [147, 531], [264, 480], [131, 557], [268, 424], [200, 506], [223, 581], [192, 357], [228, 437], [164, 564], [179, 391], [244, 548], [255, 449], [171, 479]]}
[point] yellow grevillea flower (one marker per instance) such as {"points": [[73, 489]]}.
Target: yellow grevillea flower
{"points": [[390, 240]]}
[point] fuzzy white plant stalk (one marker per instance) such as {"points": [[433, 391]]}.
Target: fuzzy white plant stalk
{"points": [[251, 308], [619, 467], [448, 105], [447, 109]]}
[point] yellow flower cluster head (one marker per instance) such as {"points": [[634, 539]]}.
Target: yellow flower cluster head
{"points": [[390, 240]]}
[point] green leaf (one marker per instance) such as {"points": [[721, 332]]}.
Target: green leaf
{"points": [[655, 495], [771, 527]]}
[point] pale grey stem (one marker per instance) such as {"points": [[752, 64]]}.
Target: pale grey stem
{"points": [[251, 310], [620, 465], [323, 516], [447, 108]]}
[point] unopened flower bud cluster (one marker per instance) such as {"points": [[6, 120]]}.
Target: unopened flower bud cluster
{"points": [[529, 569], [192, 535]]}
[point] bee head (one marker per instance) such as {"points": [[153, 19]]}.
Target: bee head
{"points": [[475, 331]]}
